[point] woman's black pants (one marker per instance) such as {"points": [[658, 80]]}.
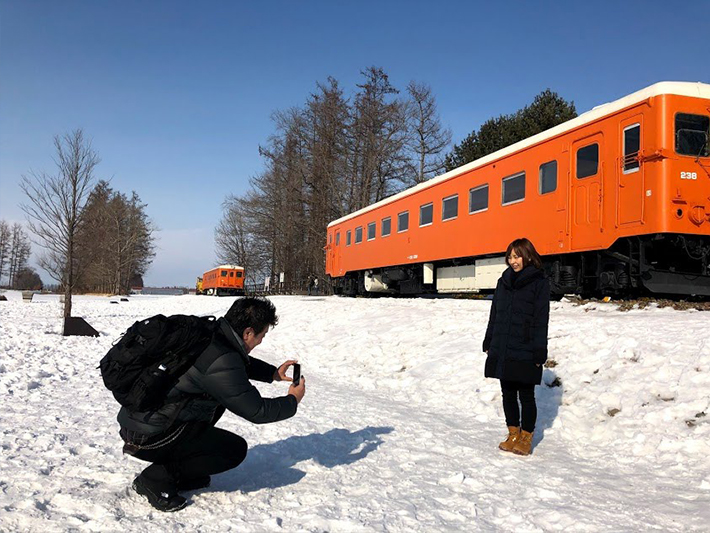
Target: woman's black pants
{"points": [[200, 450], [512, 390]]}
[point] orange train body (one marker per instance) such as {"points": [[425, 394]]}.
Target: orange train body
{"points": [[616, 200], [223, 280]]}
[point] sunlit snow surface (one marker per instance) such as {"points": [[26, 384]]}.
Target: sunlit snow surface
{"points": [[398, 431]]}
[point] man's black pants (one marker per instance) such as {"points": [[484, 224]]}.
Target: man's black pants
{"points": [[526, 391], [199, 450]]}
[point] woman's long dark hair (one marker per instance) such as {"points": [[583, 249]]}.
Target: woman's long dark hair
{"points": [[525, 249]]}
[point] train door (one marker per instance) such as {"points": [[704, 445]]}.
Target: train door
{"points": [[629, 208], [586, 191], [336, 254]]}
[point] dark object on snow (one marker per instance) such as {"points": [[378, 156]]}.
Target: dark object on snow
{"points": [[75, 325], [124, 299], [142, 367], [27, 296], [162, 501], [114, 302], [3, 298]]}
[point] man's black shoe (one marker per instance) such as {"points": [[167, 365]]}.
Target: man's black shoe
{"points": [[162, 501], [194, 483]]}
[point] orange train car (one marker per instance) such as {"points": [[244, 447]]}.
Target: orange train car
{"points": [[222, 281], [617, 201]]}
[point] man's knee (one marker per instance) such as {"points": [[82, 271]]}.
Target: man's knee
{"points": [[237, 450]]}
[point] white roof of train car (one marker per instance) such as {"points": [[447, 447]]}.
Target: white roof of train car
{"points": [[698, 90]]}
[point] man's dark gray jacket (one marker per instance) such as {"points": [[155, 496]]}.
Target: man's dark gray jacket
{"points": [[218, 380]]}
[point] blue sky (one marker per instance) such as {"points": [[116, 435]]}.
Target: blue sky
{"points": [[178, 96]]}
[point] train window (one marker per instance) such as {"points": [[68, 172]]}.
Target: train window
{"points": [[403, 221], [348, 238], [386, 226], [514, 188], [478, 199], [224, 273], [587, 161], [371, 230], [330, 238], [548, 177], [692, 135], [239, 274], [450, 207], [337, 239], [358, 235], [426, 214], [632, 145]]}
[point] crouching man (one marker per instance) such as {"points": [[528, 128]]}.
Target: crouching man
{"points": [[180, 439]]}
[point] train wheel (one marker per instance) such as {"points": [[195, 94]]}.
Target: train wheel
{"points": [[210, 292]]}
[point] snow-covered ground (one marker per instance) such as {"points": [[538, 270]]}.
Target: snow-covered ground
{"points": [[398, 431]]}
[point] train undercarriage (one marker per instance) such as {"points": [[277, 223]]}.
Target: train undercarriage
{"points": [[222, 291], [668, 265]]}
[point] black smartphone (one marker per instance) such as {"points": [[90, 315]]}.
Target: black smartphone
{"points": [[296, 373]]}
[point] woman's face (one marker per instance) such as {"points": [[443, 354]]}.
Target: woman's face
{"points": [[515, 261]]}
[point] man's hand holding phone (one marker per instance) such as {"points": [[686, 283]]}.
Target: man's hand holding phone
{"points": [[298, 387]]}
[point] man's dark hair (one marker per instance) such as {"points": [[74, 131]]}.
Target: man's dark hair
{"points": [[256, 313]]}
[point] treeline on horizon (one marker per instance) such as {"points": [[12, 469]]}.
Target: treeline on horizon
{"points": [[335, 155]]}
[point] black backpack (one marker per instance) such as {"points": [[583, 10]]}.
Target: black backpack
{"points": [[148, 360]]}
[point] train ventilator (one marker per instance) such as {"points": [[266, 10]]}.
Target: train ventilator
{"points": [[616, 200]]}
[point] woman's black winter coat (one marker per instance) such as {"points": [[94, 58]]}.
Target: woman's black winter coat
{"points": [[516, 338]]}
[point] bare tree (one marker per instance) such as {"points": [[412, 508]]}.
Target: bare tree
{"points": [[427, 138], [19, 252], [56, 207], [235, 240], [5, 240]]}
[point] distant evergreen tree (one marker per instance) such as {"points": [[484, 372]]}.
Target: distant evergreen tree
{"points": [[27, 279], [547, 110]]}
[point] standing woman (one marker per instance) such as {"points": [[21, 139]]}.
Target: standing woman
{"points": [[516, 340]]}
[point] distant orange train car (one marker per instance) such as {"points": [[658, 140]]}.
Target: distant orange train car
{"points": [[617, 201], [222, 280]]}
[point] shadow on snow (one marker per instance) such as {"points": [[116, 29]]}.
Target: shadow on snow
{"points": [[270, 466], [548, 398]]}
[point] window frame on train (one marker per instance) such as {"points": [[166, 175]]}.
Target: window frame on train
{"points": [[507, 182], [630, 161], [358, 235], [387, 221], [404, 215], [688, 116], [348, 237], [422, 208], [586, 166], [544, 175], [455, 215], [337, 239], [471, 192], [371, 231]]}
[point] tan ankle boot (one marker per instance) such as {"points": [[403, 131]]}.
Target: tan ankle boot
{"points": [[523, 444], [508, 444]]}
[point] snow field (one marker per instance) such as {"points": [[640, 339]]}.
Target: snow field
{"points": [[398, 431]]}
